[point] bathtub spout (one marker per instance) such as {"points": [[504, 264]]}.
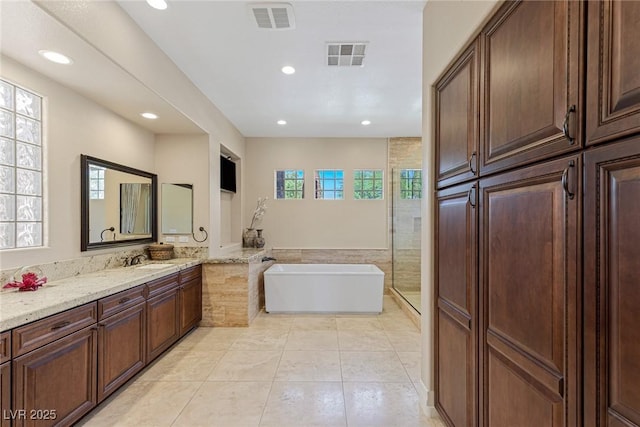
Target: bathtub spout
{"points": [[268, 258]]}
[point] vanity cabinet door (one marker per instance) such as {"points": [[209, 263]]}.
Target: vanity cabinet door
{"points": [[529, 274], [121, 348], [190, 305], [456, 320], [56, 384], [612, 286], [163, 321], [613, 79], [5, 394], [530, 89]]}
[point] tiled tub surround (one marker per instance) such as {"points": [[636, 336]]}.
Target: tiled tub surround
{"points": [[19, 308], [233, 287]]}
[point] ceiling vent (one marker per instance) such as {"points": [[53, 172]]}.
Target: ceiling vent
{"points": [[273, 16], [347, 54]]}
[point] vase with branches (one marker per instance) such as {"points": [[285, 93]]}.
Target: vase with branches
{"points": [[250, 234]]}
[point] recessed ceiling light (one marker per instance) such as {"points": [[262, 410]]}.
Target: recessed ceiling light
{"points": [[157, 4], [56, 57], [282, 122], [365, 122], [288, 69], [149, 116]]}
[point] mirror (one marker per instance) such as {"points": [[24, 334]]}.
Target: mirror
{"points": [[177, 208], [118, 204]]}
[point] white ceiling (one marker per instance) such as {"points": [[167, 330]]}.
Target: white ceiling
{"points": [[237, 66]]}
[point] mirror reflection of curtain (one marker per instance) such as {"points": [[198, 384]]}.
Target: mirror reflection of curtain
{"points": [[135, 215]]}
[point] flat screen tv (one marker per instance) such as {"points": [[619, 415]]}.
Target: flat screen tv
{"points": [[227, 175]]}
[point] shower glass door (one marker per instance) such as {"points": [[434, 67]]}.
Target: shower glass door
{"points": [[405, 236]]}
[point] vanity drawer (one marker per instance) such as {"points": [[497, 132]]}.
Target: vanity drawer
{"points": [[113, 304], [190, 274], [5, 346], [49, 329], [162, 284]]}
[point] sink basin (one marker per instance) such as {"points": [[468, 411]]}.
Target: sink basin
{"points": [[154, 266]]}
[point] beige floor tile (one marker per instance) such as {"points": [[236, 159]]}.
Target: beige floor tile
{"points": [[383, 404], [364, 341], [397, 322], [210, 339], [411, 362], [144, 404], [261, 339], [182, 365], [360, 324], [404, 340], [312, 340], [295, 404], [384, 366], [225, 404], [309, 366], [324, 323], [271, 322], [246, 365]]}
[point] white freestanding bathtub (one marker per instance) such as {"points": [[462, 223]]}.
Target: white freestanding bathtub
{"points": [[323, 288]]}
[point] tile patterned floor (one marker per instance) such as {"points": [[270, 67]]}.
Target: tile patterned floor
{"points": [[283, 370]]}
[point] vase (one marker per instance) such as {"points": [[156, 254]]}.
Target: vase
{"points": [[249, 238], [259, 241]]}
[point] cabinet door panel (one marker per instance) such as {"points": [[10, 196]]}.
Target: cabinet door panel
{"points": [[613, 83], [612, 291], [457, 120], [121, 349], [190, 304], [456, 370], [5, 394], [60, 376], [529, 268], [163, 322], [531, 78]]}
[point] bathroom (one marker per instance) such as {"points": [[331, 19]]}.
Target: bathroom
{"points": [[187, 150]]}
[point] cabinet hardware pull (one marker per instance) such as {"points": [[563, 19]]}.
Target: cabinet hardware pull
{"points": [[565, 125], [60, 325], [469, 197], [471, 163], [565, 181], [123, 300]]}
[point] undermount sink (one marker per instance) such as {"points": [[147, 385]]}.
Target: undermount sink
{"points": [[154, 266]]}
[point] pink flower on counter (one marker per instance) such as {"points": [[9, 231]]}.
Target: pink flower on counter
{"points": [[30, 282]]}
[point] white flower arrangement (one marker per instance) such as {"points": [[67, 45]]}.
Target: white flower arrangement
{"points": [[261, 208]]}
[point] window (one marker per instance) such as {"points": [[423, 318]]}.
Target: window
{"points": [[329, 184], [411, 184], [20, 168], [367, 184], [289, 184], [96, 182]]}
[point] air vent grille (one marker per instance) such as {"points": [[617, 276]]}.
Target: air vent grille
{"points": [[346, 54], [273, 16]]}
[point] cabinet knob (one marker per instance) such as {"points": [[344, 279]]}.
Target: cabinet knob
{"points": [[471, 162], [565, 125], [565, 180], [469, 199]]}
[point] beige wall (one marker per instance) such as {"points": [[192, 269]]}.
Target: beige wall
{"points": [[447, 27], [184, 159], [73, 126], [310, 223]]}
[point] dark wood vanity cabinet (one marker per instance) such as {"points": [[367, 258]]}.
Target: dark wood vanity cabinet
{"points": [[163, 314], [456, 123], [612, 285], [456, 319], [121, 339], [54, 368], [190, 298], [5, 378], [530, 101], [613, 64]]}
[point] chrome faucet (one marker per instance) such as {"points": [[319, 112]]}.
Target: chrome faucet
{"points": [[134, 260]]}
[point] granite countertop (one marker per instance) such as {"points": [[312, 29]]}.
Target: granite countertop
{"points": [[240, 256], [19, 308]]}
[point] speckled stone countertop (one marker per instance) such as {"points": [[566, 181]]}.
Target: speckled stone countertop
{"points": [[240, 256], [20, 308]]}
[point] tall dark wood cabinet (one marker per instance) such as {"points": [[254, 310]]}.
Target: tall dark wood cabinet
{"points": [[190, 298], [5, 378], [613, 84], [530, 88], [456, 124], [456, 319], [529, 269], [163, 315], [612, 285]]}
